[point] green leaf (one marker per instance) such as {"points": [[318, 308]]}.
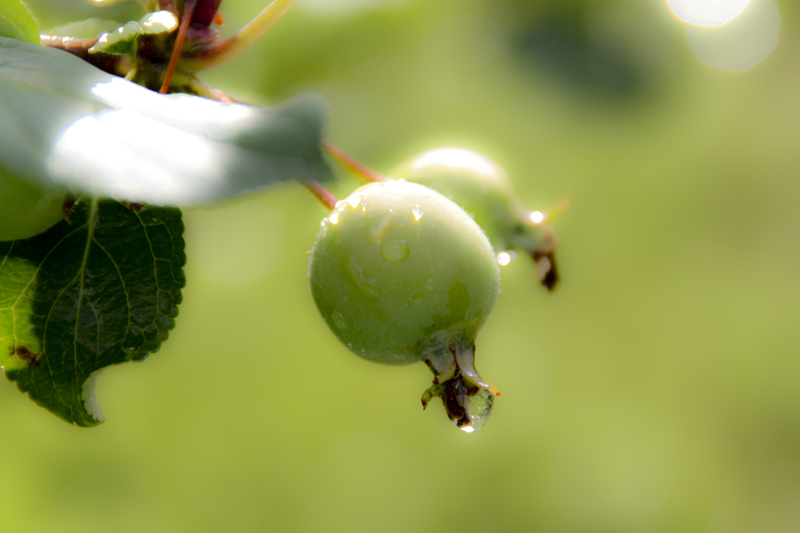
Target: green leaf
{"points": [[17, 22], [68, 124], [100, 291]]}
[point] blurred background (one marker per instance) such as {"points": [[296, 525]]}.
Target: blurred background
{"points": [[655, 390]]}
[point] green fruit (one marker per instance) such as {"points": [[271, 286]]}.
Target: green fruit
{"points": [[481, 187], [401, 274], [25, 209]]}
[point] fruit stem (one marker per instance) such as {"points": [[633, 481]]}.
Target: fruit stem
{"points": [[546, 267], [118, 65], [352, 164], [321, 193], [186, 19], [224, 50], [200, 88]]}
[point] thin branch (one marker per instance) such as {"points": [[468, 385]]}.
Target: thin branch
{"points": [[118, 65], [321, 193], [352, 164], [177, 49]]}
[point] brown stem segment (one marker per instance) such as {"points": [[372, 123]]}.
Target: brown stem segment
{"points": [[321, 193], [546, 267], [186, 19], [352, 164], [113, 64]]}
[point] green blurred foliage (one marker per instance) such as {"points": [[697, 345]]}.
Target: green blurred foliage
{"points": [[655, 390]]}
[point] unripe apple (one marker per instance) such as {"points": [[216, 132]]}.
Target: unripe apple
{"points": [[483, 189], [401, 274]]}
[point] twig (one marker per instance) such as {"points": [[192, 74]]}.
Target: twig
{"points": [[352, 164], [321, 193], [177, 49]]}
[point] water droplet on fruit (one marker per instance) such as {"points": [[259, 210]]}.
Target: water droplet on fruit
{"points": [[480, 409], [504, 258], [394, 250], [365, 284], [334, 217], [537, 217], [429, 284], [338, 319], [417, 211], [416, 300], [377, 231], [354, 200]]}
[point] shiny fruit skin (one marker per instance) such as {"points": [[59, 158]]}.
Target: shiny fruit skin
{"points": [[474, 182], [483, 189], [398, 271]]}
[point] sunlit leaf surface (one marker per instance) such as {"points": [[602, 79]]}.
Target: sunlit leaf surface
{"points": [[17, 22], [68, 123]]}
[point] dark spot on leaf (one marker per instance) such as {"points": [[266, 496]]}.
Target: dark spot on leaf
{"points": [[24, 354]]}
